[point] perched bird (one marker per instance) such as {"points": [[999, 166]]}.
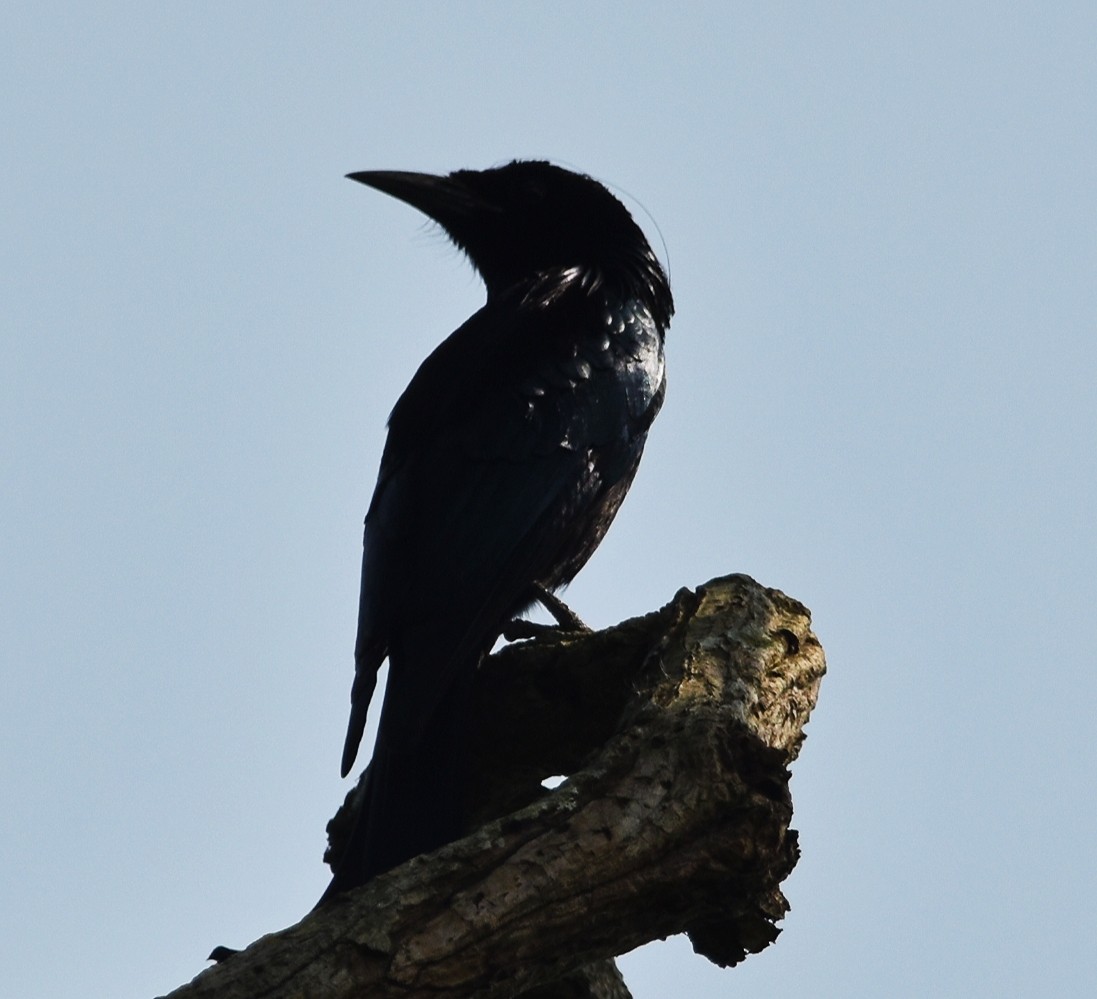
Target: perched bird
{"points": [[507, 458]]}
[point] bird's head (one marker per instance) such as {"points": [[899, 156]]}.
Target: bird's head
{"points": [[528, 217]]}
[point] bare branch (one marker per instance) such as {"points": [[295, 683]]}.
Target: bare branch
{"points": [[675, 729]]}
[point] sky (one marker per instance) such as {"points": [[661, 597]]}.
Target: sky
{"points": [[881, 228]]}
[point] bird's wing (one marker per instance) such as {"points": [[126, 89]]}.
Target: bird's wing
{"points": [[508, 433]]}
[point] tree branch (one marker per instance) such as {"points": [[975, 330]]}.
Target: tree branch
{"points": [[675, 730]]}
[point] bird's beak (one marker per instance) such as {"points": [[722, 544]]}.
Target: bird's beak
{"points": [[444, 199]]}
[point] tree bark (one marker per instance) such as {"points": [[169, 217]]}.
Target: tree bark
{"points": [[675, 731]]}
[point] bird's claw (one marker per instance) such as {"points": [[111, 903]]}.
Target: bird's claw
{"points": [[567, 621]]}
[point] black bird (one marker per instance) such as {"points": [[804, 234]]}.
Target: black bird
{"points": [[507, 457]]}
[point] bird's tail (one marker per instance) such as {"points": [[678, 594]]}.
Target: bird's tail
{"points": [[413, 801]]}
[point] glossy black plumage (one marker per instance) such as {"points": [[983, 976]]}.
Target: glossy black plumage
{"points": [[507, 457]]}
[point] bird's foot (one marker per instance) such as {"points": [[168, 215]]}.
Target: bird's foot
{"points": [[566, 619]]}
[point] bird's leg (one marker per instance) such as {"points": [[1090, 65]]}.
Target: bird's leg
{"points": [[566, 619]]}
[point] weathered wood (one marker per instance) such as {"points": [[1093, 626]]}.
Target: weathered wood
{"points": [[675, 729]]}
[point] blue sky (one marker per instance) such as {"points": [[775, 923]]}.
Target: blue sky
{"points": [[881, 225]]}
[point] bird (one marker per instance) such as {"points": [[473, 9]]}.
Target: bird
{"points": [[506, 459]]}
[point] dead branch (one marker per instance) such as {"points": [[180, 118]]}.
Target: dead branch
{"points": [[675, 731]]}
